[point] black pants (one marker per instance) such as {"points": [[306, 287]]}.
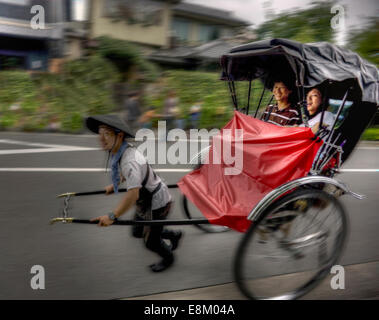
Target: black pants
{"points": [[154, 235]]}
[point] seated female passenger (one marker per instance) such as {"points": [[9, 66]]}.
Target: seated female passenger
{"points": [[284, 112], [314, 107]]}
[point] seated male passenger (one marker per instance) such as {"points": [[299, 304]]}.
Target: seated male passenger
{"points": [[284, 112]]}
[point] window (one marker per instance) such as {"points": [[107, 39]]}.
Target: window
{"points": [[208, 33], [145, 12], [180, 29], [11, 62], [226, 32], [111, 7]]}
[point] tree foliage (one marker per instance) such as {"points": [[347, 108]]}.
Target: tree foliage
{"points": [[306, 25], [125, 56], [365, 41]]}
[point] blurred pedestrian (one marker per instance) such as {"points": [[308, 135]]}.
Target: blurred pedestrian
{"points": [[170, 105], [145, 189], [147, 117], [195, 113], [133, 110], [54, 125], [179, 121]]}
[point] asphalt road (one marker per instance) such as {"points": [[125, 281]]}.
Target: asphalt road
{"points": [[87, 262]]}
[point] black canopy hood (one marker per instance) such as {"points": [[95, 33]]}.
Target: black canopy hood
{"points": [[307, 65]]}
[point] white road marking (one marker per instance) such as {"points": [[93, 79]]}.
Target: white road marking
{"points": [[43, 150], [77, 170], [44, 147], [359, 170], [52, 170], [21, 169], [25, 143], [33, 144], [56, 149]]}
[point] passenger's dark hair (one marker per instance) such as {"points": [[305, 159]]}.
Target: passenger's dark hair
{"points": [[292, 98], [323, 101], [285, 80]]}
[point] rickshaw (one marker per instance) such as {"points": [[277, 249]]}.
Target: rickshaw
{"points": [[296, 231]]}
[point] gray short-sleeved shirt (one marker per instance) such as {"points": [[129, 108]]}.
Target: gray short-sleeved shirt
{"points": [[133, 169]]}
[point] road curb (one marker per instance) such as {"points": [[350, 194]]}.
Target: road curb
{"points": [[361, 283]]}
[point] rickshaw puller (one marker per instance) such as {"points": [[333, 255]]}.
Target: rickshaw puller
{"points": [[145, 189]]}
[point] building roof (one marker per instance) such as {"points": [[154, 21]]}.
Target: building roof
{"points": [[12, 27], [200, 11], [76, 29], [179, 55], [211, 52]]}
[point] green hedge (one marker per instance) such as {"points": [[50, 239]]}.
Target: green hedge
{"points": [[18, 97], [195, 86], [371, 134], [83, 87]]}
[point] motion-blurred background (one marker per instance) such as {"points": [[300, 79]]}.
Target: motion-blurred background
{"points": [[150, 59]]}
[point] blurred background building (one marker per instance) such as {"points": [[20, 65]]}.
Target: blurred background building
{"points": [[93, 53], [169, 32], [24, 47], [159, 23]]}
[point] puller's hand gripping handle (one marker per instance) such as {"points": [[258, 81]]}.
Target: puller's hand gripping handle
{"points": [[65, 217]]}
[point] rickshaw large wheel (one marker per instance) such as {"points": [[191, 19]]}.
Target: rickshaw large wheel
{"points": [[211, 228], [292, 246]]}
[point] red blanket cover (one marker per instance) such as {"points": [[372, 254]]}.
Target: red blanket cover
{"points": [[272, 156]]}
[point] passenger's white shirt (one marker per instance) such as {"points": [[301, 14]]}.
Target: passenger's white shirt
{"points": [[133, 169], [327, 121]]}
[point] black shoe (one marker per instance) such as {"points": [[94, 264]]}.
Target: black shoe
{"points": [[161, 266], [175, 239]]}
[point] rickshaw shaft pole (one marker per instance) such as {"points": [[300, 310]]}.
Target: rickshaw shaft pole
{"points": [[146, 222], [90, 193]]}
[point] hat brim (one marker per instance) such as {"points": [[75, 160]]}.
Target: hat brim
{"points": [[94, 122]]}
